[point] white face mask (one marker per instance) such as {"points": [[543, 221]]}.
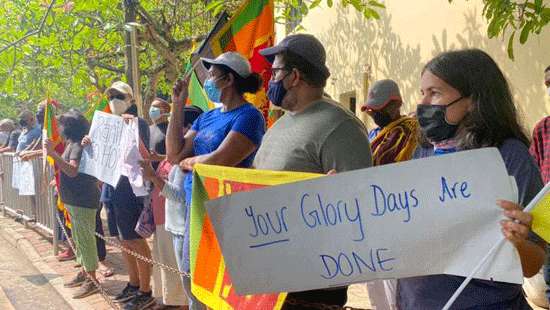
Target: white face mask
{"points": [[119, 106]]}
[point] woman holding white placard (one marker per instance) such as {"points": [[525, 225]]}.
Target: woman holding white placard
{"points": [[467, 104]]}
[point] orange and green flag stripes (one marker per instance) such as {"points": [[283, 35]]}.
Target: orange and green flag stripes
{"points": [[211, 282], [50, 127], [51, 131], [99, 103], [251, 29], [197, 96]]}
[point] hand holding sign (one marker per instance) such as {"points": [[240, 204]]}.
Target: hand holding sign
{"points": [[330, 232]]}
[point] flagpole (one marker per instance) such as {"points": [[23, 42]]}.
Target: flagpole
{"points": [[540, 195]]}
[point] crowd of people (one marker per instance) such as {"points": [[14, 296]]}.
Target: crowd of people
{"points": [[466, 103]]}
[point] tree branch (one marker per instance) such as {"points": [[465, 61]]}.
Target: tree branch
{"points": [[94, 63], [32, 33]]}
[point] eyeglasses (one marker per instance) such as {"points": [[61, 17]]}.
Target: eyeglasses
{"points": [[274, 71], [117, 96]]}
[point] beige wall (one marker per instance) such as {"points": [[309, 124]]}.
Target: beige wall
{"points": [[408, 34]]}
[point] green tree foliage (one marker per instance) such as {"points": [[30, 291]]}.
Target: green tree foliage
{"points": [[508, 18], [69, 49]]}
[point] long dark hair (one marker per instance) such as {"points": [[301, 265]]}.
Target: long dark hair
{"points": [[75, 125], [475, 74], [250, 84]]}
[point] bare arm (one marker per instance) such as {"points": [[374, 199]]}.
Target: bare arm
{"points": [[516, 229], [233, 150], [174, 134], [70, 168]]}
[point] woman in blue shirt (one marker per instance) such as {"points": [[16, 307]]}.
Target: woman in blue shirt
{"points": [[467, 104], [228, 136]]}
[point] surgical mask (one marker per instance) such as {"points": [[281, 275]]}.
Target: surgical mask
{"points": [[155, 114], [381, 118], [212, 91], [119, 106], [433, 121]]}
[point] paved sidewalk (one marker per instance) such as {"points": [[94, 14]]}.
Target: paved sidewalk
{"points": [[39, 251]]}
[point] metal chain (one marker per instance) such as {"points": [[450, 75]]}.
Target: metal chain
{"points": [[101, 289], [141, 257], [311, 305], [137, 255]]}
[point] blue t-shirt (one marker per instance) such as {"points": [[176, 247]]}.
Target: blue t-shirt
{"points": [[212, 127], [26, 138], [432, 292]]}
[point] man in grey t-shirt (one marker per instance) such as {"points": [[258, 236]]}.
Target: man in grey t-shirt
{"points": [[315, 135]]}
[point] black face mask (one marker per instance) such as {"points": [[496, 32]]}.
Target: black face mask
{"points": [[23, 122], [381, 118], [433, 121]]}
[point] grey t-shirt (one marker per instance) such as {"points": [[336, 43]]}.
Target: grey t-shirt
{"points": [[318, 139], [322, 137], [82, 190], [432, 292]]}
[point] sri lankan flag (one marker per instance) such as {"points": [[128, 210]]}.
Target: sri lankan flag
{"points": [[51, 132], [211, 282], [251, 29], [99, 103], [50, 127], [197, 96]]}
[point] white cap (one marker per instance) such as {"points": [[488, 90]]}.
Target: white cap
{"points": [[121, 87], [233, 60]]}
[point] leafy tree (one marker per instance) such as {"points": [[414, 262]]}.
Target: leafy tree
{"points": [[67, 50], [506, 18]]}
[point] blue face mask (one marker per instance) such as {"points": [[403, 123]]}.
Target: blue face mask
{"points": [[276, 91], [212, 91], [154, 114]]}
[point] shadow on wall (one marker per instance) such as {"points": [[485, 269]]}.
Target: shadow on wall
{"points": [[358, 46], [355, 46], [525, 74]]}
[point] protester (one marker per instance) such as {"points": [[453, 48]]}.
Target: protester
{"points": [[158, 113], [166, 284], [127, 208], [314, 135], [10, 135], [170, 186], [395, 137], [226, 136], [31, 131], [80, 195], [539, 150], [35, 149], [466, 104]]}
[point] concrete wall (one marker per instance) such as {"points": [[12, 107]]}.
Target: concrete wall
{"points": [[408, 35]]}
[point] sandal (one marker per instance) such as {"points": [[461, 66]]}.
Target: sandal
{"points": [[107, 272]]}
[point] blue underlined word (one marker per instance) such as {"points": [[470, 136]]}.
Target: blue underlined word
{"points": [[268, 243]]}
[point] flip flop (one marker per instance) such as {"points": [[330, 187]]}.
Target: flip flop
{"points": [[107, 272]]}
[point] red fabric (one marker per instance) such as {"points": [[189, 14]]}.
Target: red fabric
{"points": [[540, 147], [157, 200]]}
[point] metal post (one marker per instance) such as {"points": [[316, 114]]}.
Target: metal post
{"points": [[132, 57]]}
